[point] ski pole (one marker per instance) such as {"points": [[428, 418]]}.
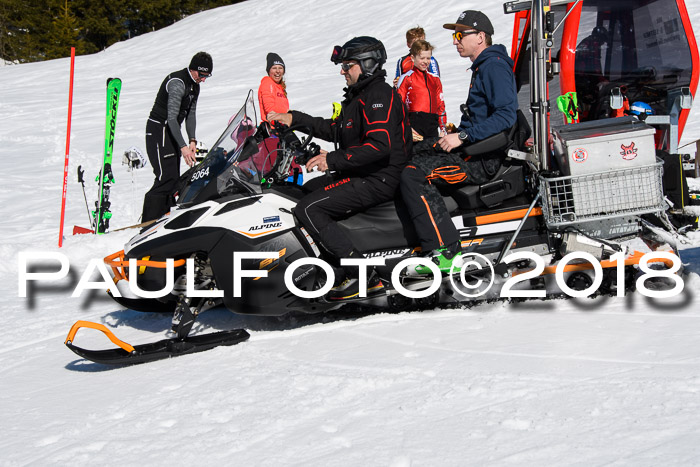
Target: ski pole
{"points": [[81, 180]]}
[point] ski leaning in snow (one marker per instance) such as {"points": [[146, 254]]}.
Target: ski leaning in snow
{"points": [[102, 215]]}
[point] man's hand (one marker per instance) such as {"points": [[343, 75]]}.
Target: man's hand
{"points": [[318, 161], [189, 155], [285, 118], [449, 142]]}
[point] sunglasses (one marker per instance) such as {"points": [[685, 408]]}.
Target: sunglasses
{"points": [[458, 35], [204, 75], [346, 66]]}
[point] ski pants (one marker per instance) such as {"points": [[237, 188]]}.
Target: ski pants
{"points": [[333, 200], [420, 182], [425, 124], [164, 156]]}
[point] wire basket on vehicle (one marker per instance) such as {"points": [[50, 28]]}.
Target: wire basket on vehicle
{"points": [[604, 195]]}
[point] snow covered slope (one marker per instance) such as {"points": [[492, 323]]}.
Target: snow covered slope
{"points": [[558, 382]]}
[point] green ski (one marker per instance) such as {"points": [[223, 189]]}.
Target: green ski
{"points": [[568, 105], [101, 214]]}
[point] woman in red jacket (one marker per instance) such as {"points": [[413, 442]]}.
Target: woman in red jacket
{"points": [[272, 93], [422, 93]]}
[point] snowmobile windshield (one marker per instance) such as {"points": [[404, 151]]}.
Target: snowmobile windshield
{"points": [[235, 163]]}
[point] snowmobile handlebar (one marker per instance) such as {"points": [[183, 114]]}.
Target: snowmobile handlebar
{"points": [[302, 150], [286, 134]]}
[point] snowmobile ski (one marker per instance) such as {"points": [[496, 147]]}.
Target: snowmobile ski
{"points": [[126, 354], [102, 214]]}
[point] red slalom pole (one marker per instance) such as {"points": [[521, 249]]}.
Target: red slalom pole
{"points": [[65, 164]]}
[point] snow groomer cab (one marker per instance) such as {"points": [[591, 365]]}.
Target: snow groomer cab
{"points": [[609, 85]]}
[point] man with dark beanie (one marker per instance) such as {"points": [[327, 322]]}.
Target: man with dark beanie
{"points": [[175, 102]]}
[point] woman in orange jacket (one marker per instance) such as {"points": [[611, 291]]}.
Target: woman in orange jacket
{"points": [[272, 97], [422, 93], [272, 93]]}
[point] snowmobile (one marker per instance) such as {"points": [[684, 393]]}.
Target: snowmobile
{"points": [[594, 181]]}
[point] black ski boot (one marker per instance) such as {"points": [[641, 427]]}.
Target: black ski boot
{"points": [[350, 287]]}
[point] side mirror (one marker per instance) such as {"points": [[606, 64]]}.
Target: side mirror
{"points": [[617, 100], [686, 98]]}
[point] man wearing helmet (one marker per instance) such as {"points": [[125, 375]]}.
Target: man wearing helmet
{"points": [[373, 141]]}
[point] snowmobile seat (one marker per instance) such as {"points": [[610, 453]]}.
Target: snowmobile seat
{"points": [[508, 182], [381, 227], [388, 225]]}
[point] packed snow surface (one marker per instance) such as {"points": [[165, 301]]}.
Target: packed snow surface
{"points": [[575, 382]]}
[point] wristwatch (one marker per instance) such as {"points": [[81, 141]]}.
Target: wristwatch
{"points": [[463, 135]]}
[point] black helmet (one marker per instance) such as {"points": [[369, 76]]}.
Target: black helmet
{"points": [[368, 51]]}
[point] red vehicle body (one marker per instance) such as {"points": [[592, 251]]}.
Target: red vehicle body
{"points": [[646, 48]]}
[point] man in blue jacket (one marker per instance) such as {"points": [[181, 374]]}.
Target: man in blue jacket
{"points": [[491, 108]]}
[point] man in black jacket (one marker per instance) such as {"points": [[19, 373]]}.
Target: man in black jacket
{"points": [[373, 139], [175, 102]]}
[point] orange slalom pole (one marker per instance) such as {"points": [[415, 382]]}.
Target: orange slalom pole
{"points": [[65, 164]]}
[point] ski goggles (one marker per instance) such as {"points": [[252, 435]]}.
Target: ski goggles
{"points": [[337, 54], [346, 66], [458, 35]]}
